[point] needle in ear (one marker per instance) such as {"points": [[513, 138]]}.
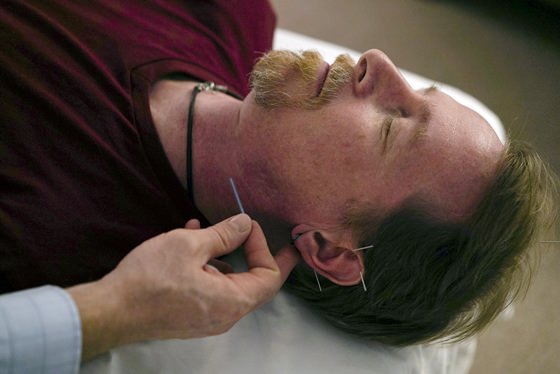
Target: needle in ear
{"points": [[363, 283], [317, 279], [362, 248], [296, 237]]}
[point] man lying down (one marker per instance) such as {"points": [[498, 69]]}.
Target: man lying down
{"points": [[411, 219], [415, 216]]}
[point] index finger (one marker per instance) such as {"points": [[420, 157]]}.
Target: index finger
{"points": [[286, 259], [259, 256], [256, 250], [266, 273]]}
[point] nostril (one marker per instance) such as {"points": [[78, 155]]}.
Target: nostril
{"points": [[403, 113], [363, 69]]}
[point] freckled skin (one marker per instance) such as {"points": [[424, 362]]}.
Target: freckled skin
{"points": [[329, 155]]}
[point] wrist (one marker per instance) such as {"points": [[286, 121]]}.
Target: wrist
{"points": [[102, 317]]}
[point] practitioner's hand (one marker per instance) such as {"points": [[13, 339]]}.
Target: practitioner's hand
{"points": [[165, 289]]}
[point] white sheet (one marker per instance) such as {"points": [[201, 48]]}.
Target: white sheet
{"points": [[284, 336]]}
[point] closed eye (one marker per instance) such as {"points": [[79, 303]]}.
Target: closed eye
{"points": [[386, 129]]}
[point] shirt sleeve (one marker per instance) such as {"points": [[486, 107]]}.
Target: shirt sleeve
{"points": [[40, 332]]}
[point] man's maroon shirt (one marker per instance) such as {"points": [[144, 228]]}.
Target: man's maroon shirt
{"points": [[83, 176]]}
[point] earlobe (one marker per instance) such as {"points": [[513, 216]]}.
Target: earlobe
{"points": [[333, 260]]}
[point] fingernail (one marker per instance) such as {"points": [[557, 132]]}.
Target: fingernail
{"points": [[241, 222], [211, 268]]}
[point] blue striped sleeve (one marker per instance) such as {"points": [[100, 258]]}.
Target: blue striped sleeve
{"points": [[40, 332]]}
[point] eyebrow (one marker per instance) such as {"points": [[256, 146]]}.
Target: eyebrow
{"points": [[425, 114]]}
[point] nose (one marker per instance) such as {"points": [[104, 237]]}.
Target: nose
{"points": [[377, 76]]}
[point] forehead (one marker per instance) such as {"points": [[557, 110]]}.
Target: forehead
{"points": [[456, 158], [455, 125]]}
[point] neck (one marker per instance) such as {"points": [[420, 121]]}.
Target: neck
{"points": [[217, 154]]}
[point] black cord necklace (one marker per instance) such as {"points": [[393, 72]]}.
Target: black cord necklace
{"points": [[205, 86]]}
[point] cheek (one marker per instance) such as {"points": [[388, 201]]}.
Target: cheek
{"points": [[405, 174], [339, 146], [345, 147]]}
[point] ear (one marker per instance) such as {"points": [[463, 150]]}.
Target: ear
{"points": [[327, 256]]}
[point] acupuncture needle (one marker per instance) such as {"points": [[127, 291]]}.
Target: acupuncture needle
{"points": [[240, 205], [317, 279], [232, 183], [362, 248]]}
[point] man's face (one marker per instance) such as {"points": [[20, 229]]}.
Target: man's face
{"points": [[359, 133]]}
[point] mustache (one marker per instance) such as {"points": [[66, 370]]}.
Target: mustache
{"points": [[273, 70]]}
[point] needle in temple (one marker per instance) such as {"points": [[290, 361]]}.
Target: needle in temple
{"points": [[232, 183]]}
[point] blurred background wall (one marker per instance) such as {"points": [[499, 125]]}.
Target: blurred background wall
{"points": [[507, 54]]}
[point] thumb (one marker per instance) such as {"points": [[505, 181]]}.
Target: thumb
{"points": [[224, 237]]}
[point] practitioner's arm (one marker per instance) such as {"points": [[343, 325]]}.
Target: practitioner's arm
{"points": [[164, 289], [39, 332]]}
